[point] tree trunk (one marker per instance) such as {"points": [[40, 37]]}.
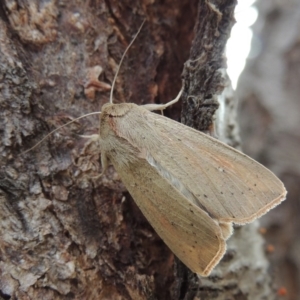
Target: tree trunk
{"points": [[63, 234], [269, 113]]}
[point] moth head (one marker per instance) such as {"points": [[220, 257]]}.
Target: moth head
{"points": [[115, 110], [109, 114]]}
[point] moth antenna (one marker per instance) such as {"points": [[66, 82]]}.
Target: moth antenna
{"points": [[119, 66], [60, 127]]}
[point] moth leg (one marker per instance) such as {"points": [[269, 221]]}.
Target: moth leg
{"points": [[161, 107], [104, 164]]}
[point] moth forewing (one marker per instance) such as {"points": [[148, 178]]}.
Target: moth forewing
{"points": [[188, 185], [188, 231], [224, 182]]}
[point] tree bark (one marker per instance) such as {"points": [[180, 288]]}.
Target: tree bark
{"points": [[64, 235]]}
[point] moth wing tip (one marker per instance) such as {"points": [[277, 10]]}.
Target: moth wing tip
{"points": [[262, 211], [214, 262]]}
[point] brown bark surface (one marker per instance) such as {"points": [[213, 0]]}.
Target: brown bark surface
{"points": [[269, 116], [63, 234]]}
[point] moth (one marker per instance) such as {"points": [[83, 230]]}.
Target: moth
{"points": [[191, 187]]}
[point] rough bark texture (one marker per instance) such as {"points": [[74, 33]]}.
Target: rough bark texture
{"points": [[63, 235], [203, 71], [269, 114]]}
